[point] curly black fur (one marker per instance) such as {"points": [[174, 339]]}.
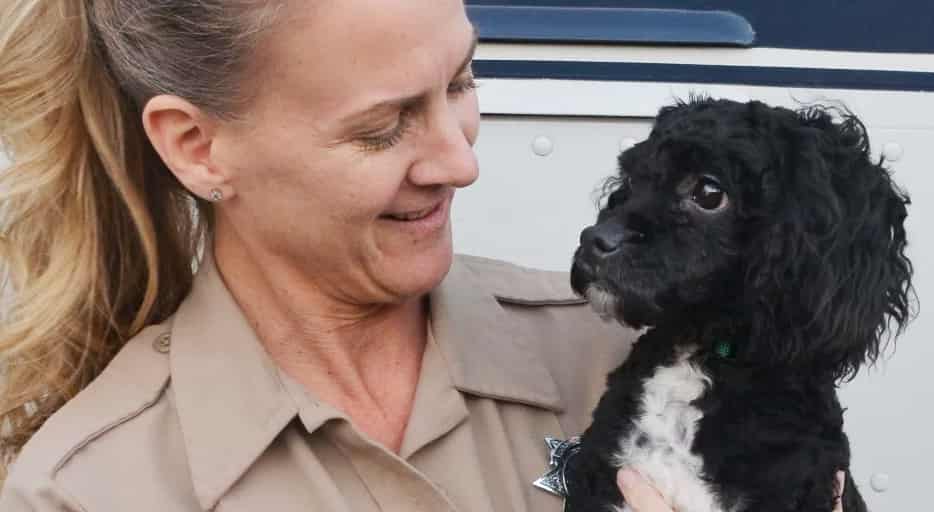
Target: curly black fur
{"points": [[802, 266]]}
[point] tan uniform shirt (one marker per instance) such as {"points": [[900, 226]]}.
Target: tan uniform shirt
{"points": [[193, 415]]}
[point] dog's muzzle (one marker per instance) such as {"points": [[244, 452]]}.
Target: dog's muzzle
{"points": [[598, 244], [601, 243]]}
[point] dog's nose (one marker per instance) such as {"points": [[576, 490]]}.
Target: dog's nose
{"points": [[607, 242], [607, 239]]}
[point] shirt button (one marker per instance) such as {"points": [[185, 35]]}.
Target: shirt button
{"points": [[162, 343]]}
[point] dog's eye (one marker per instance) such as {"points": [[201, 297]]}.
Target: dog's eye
{"points": [[708, 195]]}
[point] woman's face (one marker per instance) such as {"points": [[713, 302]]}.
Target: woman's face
{"points": [[346, 162]]}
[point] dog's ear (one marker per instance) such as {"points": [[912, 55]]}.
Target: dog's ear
{"points": [[827, 278]]}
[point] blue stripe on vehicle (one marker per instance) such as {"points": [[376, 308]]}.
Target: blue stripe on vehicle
{"points": [[852, 25], [601, 25], [708, 74]]}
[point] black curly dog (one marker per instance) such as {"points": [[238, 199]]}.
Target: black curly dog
{"points": [[765, 252]]}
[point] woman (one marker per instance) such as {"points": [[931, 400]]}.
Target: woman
{"points": [[331, 353]]}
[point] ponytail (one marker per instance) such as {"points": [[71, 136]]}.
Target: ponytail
{"points": [[97, 238]]}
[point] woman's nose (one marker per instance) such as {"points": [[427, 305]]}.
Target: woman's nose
{"points": [[446, 154]]}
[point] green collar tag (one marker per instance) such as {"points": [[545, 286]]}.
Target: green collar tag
{"points": [[725, 349]]}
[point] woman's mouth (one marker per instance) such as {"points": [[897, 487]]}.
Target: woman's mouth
{"points": [[422, 221], [414, 215]]}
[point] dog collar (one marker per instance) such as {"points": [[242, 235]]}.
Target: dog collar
{"points": [[724, 349]]}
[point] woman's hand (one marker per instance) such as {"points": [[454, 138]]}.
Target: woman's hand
{"points": [[642, 497]]}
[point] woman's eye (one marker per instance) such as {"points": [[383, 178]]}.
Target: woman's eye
{"points": [[462, 86], [386, 140], [708, 195]]}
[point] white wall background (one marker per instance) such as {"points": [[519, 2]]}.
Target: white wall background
{"points": [[529, 209]]}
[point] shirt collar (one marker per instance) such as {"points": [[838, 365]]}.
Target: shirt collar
{"points": [[486, 351], [232, 402]]}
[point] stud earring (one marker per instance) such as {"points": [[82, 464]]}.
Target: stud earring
{"points": [[216, 195]]}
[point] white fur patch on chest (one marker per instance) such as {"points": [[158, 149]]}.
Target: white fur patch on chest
{"points": [[659, 445]]}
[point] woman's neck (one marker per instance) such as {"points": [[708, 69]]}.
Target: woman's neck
{"points": [[363, 360]]}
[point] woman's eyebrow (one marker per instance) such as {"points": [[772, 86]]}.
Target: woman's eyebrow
{"points": [[394, 104]]}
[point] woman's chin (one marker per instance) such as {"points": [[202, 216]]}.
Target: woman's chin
{"points": [[419, 272]]}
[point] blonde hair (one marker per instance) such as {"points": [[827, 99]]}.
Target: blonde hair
{"points": [[97, 238]]}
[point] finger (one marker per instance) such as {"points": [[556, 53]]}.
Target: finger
{"points": [[840, 485], [639, 494]]}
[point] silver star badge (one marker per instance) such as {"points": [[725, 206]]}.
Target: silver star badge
{"points": [[560, 454]]}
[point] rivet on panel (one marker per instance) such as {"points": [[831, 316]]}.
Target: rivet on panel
{"points": [[879, 482], [542, 146], [893, 151]]}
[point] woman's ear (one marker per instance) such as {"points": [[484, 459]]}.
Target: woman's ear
{"points": [[182, 135]]}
